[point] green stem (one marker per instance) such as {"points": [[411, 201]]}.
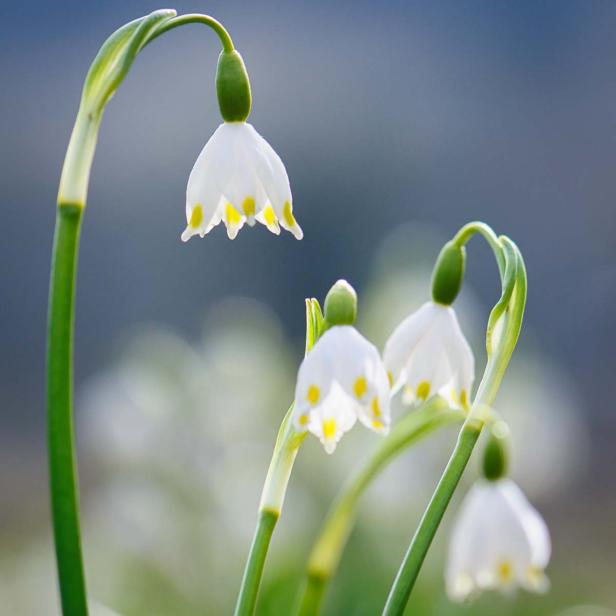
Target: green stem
{"points": [[106, 73], [409, 570], [513, 276], [62, 465], [194, 18], [247, 598], [328, 548]]}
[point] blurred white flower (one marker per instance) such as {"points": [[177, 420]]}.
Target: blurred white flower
{"points": [[341, 379], [428, 354], [238, 178], [499, 541]]}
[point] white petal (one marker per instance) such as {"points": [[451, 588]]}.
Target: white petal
{"points": [[404, 339], [498, 541], [331, 419]]}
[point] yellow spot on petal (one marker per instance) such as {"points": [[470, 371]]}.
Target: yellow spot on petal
{"points": [[329, 429], [360, 387], [314, 393], [504, 572], [455, 400], [196, 217], [269, 216], [377, 425], [390, 377], [303, 420], [376, 409], [287, 214], [248, 206], [423, 390], [464, 399], [232, 216]]}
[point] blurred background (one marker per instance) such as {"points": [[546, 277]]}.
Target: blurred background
{"points": [[397, 122]]}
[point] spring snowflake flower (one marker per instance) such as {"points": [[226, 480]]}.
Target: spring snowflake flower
{"points": [[340, 380], [237, 179], [499, 541], [428, 354]]}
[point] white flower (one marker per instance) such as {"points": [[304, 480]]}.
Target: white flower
{"points": [[238, 178], [428, 354], [340, 380], [499, 541]]}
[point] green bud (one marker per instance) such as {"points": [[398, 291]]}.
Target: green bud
{"points": [[232, 87], [448, 273], [496, 453], [341, 304]]}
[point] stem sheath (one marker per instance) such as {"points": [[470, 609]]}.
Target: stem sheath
{"points": [[62, 464]]}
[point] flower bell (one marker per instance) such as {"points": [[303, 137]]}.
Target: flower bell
{"points": [[499, 541], [342, 378], [427, 353], [238, 177]]}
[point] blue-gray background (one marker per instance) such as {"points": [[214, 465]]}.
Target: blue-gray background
{"points": [[384, 113]]}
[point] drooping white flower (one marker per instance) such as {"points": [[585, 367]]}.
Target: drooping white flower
{"points": [[340, 380], [428, 354], [499, 541], [238, 178]]}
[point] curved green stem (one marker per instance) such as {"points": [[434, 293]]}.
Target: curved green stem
{"points": [[62, 465], [106, 73], [328, 548], [195, 18], [495, 369]]}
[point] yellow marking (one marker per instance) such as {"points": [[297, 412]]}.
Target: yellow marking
{"points": [[287, 214], [464, 399], [423, 390], [232, 215], [314, 393], [196, 217], [248, 206], [377, 425], [376, 409], [360, 387], [390, 377], [269, 216], [303, 420], [455, 400], [329, 429], [504, 571]]}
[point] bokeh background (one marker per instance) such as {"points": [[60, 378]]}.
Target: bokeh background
{"points": [[397, 122]]}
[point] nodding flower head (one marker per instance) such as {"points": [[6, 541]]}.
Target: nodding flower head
{"points": [[428, 354], [237, 179], [340, 380], [499, 542]]}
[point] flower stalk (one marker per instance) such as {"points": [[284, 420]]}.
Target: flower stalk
{"points": [[432, 415], [504, 326], [106, 73]]}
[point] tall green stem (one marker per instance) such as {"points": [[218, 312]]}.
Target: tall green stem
{"points": [[511, 309], [62, 465], [251, 581], [328, 548], [106, 73]]}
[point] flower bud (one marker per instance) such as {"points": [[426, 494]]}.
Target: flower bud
{"points": [[448, 273], [496, 453], [232, 87], [341, 304]]}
